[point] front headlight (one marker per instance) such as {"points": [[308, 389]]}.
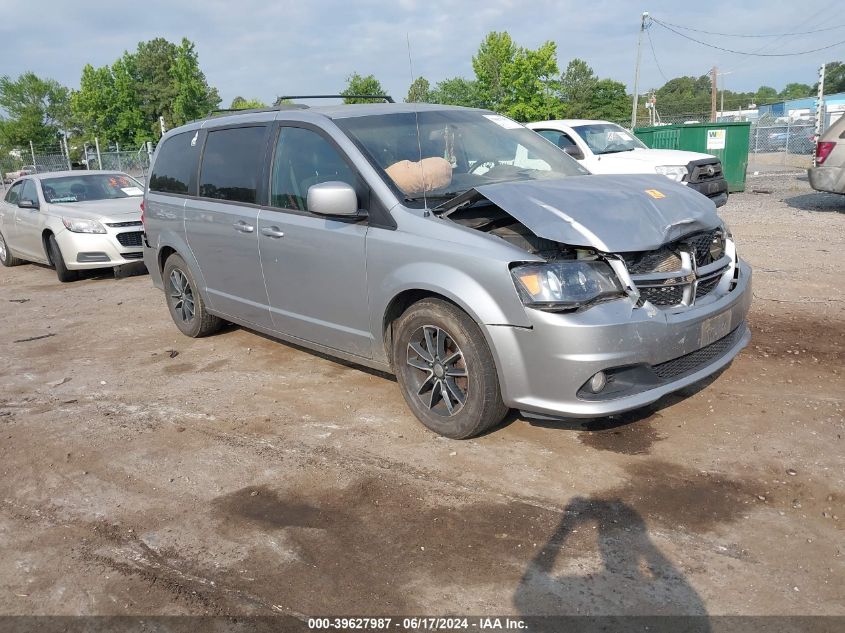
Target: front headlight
{"points": [[83, 226], [565, 285], [675, 172]]}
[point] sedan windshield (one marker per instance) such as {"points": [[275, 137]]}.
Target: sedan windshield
{"points": [[607, 138], [88, 187], [459, 149]]}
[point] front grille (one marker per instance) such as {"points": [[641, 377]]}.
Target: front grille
{"points": [[706, 286], [663, 295], [700, 244], [702, 172], [689, 363], [119, 225], [663, 260], [130, 239], [132, 255]]}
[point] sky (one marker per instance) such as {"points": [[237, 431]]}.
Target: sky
{"points": [[266, 48]]}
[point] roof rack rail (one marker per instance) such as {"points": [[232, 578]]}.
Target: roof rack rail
{"points": [[385, 98], [281, 106]]}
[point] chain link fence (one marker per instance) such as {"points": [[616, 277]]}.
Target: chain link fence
{"points": [[41, 159]]}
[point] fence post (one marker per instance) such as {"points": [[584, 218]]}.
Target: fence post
{"points": [[67, 152], [32, 151], [119, 168], [99, 158], [87, 161], [788, 126]]}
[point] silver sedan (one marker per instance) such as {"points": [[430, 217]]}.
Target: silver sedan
{"points": [[73, 220]]}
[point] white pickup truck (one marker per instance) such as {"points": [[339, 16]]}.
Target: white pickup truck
{"points": [[607, 148]]}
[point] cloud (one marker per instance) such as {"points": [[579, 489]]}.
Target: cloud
{"points": [[263, 49]]}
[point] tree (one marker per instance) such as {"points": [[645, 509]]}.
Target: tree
{"points": [[796, 91], [239, 103], [194, 98], [156, 88], [419, 92], [358, 85], [684, 95], [609, 100], [491, 65], [765, 94], [457, 91], [576, 86], [834, 78], [36, 110], [533, 91]]}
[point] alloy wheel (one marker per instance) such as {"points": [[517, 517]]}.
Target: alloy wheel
{"points": [[182, 295], [2, 249], [440, 378]]}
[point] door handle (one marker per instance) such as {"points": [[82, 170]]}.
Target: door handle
{"points": [[272, 231], [243, 227]]}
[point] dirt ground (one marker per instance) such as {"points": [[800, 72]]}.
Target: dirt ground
{"points": [[147, 473]]}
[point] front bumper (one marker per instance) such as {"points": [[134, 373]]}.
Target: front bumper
{"points": [[716, 190], [830, 179], [83, 251], [542, 368]]}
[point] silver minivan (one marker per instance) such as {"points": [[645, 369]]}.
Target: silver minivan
{"points": [[452, 247]]}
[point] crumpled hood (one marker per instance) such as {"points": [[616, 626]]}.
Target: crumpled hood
{"points": [[609, 213], [120, 209]]}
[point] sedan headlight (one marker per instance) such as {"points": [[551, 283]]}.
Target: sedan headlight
{"points": [[675, 172], [565, 285], [83, 226]]}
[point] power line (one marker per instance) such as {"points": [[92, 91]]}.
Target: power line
{"points": [[751, 54], [689, 28], [654, 55]]}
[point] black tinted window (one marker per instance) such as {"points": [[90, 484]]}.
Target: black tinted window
{"points": [[174, 165], [231, 163], [14, 193], [558, 138], [304, 158]]}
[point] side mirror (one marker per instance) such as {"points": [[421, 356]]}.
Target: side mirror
{"points": [[332, 198], [574, 151], [27, 204]]}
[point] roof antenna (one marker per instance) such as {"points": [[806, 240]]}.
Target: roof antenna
{"points": [[417, 120]]}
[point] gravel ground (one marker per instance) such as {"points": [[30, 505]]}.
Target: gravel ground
{"points": [[147, 473]]}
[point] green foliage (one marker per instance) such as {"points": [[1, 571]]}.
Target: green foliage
{"points": [[576, 85], [194, 97], [457, 91], [796, 91], [239, 103], [834, 79], [492, 65], [609, 100], [419, 92], [36, 110], [358, 85]]}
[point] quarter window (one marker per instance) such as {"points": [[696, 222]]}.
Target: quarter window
{"points": [[14, 193], [231, 163], [304, 158], [174, 165]]}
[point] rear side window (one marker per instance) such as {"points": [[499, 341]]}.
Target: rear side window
{"points": [[176, 161], [558, 138], [231, 163]]}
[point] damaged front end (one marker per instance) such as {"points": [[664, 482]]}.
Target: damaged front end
{"points": [[662, 250]]}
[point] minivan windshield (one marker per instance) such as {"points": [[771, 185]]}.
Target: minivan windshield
{"points": [[88, 187], [461, 149], [608, 138]]}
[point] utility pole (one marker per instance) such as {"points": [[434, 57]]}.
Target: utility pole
{"points": [[714, 75], [637, 71]]}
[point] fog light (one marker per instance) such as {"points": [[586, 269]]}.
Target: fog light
{"points": [[598, 382]]}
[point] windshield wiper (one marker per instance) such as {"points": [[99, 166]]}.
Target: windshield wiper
{"points": [[437, 196], [616, 151]]}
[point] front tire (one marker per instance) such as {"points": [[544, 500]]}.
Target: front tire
{"points": [[186, 305], [6, 257], [446, 371], [62, 272]]}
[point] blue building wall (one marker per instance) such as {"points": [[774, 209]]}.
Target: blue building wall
{"points": [[781, 108]]}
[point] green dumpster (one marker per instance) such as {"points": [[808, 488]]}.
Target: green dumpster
{"points": [[728, 141]]}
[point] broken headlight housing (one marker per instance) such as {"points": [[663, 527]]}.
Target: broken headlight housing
{"points": [[565, 285]]}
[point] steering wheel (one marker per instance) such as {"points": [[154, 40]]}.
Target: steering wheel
{"points": [[490, 164]]}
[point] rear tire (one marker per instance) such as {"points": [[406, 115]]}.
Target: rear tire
{"points": [[6, 257], [446, 371], [187, 308], [55, 253]]}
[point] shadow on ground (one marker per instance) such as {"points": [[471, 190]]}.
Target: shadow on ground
{"points": [[818, 201]]}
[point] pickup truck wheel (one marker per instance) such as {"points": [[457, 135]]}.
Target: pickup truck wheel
{"points": [[446, 371], [185, 302], [55, 253], [6, 257]]}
